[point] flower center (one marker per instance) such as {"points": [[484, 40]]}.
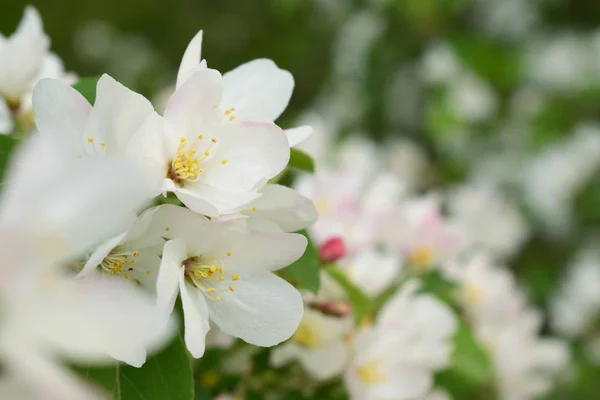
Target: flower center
{"points": [[306, 335], [471, 294], [185, 167], [210, 278], [116, 261], [370, 373], [422, 258]]}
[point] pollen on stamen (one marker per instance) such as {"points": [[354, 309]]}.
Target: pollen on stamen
{"points": [[214, 140], [232, 117], [137, 282], [136, 253], [253, 208], [223, 162], [207, 153], [211, 290], [201, 171], [131, 262], [228, 253], [218, 298], [182, 140], [229, 111], [200, 137], [103, 144], [90, 139], [221, 278], [231, 288], [235, 277], [126, 276]]}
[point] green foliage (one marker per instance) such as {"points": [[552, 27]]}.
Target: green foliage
{"points": [[301, 161], [306, 271], [87, 87], [360, 302], [7, 144], [168, 375]]}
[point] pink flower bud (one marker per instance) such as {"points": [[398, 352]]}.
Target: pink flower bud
{"points": [[336, 308], [332, 249]]}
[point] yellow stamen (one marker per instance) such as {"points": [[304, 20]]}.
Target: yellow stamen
{"points": [[235, 277]]}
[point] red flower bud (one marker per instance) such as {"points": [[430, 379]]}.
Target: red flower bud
{"points": [[332, 249]]}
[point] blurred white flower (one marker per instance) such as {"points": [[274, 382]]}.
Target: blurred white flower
{"points": [[25, 60], [373, 270], [440, 65], [318, 344], [224, 272], [417, 228], [487, 219], [471, 98], [408, 162], [397, 357], [256, 91]]}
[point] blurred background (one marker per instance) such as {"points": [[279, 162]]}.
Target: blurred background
{"points": [[505, 92]]}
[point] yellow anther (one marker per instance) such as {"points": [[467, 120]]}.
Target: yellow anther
{"points": [[90, 139], [147, 272], [231, 288], [214, 140], [207, 153], [200, 137], [201, 171], [103, 144], [131, 262], [370, 373], [235, 277], [232, 117], [211, 290], [182, 140], [126, 276], [223, 162], [253, 208], [137, 282], [136, 253], [228, 253], [221, 278], [213, 268], [218, 298], [229, 111]]}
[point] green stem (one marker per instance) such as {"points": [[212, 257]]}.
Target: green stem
{"points": [[360, 302]]}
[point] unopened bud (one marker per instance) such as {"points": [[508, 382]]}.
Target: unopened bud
{"points": [[336, 308], [332, 249]]}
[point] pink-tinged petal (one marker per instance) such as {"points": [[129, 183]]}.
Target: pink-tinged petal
{"points": [[191, 60], [263, 309], [258, 90]]}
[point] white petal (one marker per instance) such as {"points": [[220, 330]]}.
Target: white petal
{"points": [[194, 105], [117, 114], [264, 310], [191, 60], [212, 202], [60, 110], [298, 135], [167, 283], [195, 313], [258, 90], [404, 383], [134, 355], [246, 252], [100, 254], [284, 354], [283, 206], [147, 149], [252, 152], [325, 361]]}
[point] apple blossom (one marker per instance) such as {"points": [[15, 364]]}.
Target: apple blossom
{"points": [[224, 274], [255, 91], [319, 345]]}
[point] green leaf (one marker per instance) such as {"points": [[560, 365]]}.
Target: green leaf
{"points": [[7, 144], [301, 160], [166, 376], [360, 302], [87, 87], [471, 370], [305, 272]]}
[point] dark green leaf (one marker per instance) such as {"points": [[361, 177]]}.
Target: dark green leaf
{"points": [[305, 272], [7, 144], [87, 87], [301, 160], [166, 376]]}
